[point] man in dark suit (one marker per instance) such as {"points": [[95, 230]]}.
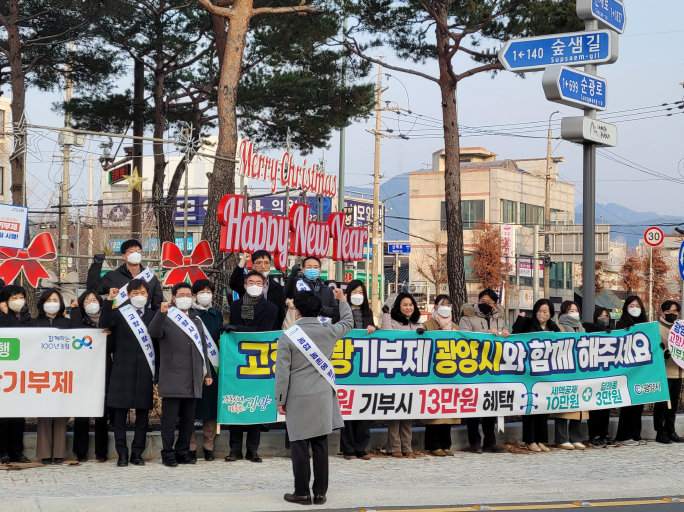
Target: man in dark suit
{"points": [[252, 313], [273, 291]]}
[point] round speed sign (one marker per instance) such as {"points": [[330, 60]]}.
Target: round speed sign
{"points": [[654, 236]]}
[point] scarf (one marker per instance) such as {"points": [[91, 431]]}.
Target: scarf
{"points": [[248, 305], [94, 318], [570, 324], [444, 322], [314, 286]]}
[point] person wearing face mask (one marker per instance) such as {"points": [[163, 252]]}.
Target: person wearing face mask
{"points": [[207, 409], [184, 367], [599, 420], [570, 438], [629, 424], [131, 252], [311, 280], [487, 316], [252, 313], [273, 291], [85, 312], [404, 316], [13, 313], [536, 426], [355, 435], [133, 369], [51, 437], [665, 413]]}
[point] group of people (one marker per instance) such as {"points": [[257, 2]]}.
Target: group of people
{"points": [[174, 345]]}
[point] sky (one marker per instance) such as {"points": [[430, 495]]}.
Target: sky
{"points": [[648, 73]]}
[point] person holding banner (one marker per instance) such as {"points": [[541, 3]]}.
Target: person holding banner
{"points": [[629, 425], [13, 313], [133, 367], [85, 312], [311, 280], [303, 391], [665, 413], [487, 316], [404, 316], [355, 435], [207, 406], [131, 252], [536, 426], [184, 368], [51, 437]]}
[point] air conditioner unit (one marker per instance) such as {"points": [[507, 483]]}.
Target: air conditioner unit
{"points": [[443, 288], [417, 288]]}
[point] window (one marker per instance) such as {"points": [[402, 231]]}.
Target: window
{"points": [[509, 212], [556, 279], [568, 276], [531, 214], [469, 270], [471, 213]]}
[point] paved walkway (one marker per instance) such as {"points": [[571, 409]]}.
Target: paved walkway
{"points": [[629, 472]]}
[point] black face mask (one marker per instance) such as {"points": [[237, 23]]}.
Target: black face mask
{"points": [[671, 318], [485, 308], [603, 322]]}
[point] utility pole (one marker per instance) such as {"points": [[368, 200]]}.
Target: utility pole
{"points": [[375, 302], [339, 266], [90, 208], [535, 264], [650, 286], [547, 212], [138, 129], [64, 200]]}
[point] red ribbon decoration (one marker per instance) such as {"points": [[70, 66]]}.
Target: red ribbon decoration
{"points": [[42, 248], [172, 258]]}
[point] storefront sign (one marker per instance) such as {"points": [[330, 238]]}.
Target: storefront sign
{"points": [[13, 220], [450, 374], [119, 174]]}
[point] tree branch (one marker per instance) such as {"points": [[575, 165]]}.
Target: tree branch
{"points": [[481, 69], [302, 9], [215, 9]]}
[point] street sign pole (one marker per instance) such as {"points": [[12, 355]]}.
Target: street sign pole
{"points": [[650, 287]]}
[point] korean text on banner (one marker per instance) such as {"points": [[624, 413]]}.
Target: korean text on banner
{"points": [[52, 372], [675, 343], [453, 374]]}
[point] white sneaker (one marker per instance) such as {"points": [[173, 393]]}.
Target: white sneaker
{"points": [[578, 446], [642, 442], [628, 442], [565, 446]]}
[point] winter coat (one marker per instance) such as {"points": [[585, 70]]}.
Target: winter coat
{"points": [[433, 325], [311, 404], [330, 307], [391, 324], [181, 368], [275, 294], [474, 320], [11, 319], [524, 324], [118, 278], [265, 313], [59, 322], [80, 318], [207, 406], [131, 381], [366, 319], [674, 371]]}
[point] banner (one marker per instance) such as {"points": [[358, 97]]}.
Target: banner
{"points": [[52, 372], [452, 374], [675, 343]]}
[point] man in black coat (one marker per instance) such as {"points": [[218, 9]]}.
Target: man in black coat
{"points": [[273, 291], [252, 313], [131, 380], [311, 280], [131, 251]]}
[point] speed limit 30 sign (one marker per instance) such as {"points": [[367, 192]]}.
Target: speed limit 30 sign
{"points": [[654, 236]]}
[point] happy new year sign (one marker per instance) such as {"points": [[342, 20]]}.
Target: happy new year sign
{"points": [[296, 234]]}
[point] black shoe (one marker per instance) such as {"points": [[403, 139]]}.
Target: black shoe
{"points": [[123, 460], [5, 458], [253, 457], [208, 454], [676, 439], [663, 439], [81, 457], [193, 455], [170, 463], [597, 442], [101, 458], [610, 442], [57, 461], [20, 458], [185, 459], [46, 461], [495, 448], [475, 449], [302, 500], [137, 460], [233, 456], [319, 500]]}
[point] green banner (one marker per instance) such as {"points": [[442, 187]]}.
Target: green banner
{"points": [[454, 374]]}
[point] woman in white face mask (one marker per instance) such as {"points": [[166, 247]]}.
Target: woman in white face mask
{"points": [[442, 316], [51, 438]]}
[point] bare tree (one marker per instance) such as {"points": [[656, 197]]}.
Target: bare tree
{"points": [[431, 263], [489, 263]]}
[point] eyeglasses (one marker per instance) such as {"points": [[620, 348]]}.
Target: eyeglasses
{"points": [[261, 263], [254, 282], [314, 267], [490, 302], [89, 301]]}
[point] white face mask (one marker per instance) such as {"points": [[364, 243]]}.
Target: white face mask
{"points": [[16, 305], [204, 299], [183, 303], [357, 299], [574, 315], [635, 312], [265, 274], [51, 307], [134, 258], [444, 311], [93, 308], [254, 290], [139, 301]]}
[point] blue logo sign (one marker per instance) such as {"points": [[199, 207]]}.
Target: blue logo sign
{"points": [[574, 88], [573, 49], [399, 248], [681, 260], [609, 13]]}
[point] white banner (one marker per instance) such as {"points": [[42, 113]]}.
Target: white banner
{"points": [[52, 372]]}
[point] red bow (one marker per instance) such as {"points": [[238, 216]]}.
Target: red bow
{"points": [[173, 258], [42, 248]]}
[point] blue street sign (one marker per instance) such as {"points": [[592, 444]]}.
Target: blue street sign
{"points": [[609, 13], [574, 88], [573, 49], [399, 248], [681, 260]]}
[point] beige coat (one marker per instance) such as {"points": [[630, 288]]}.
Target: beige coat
{"points": [[433, 325], [674, 371], [473, 320]]}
